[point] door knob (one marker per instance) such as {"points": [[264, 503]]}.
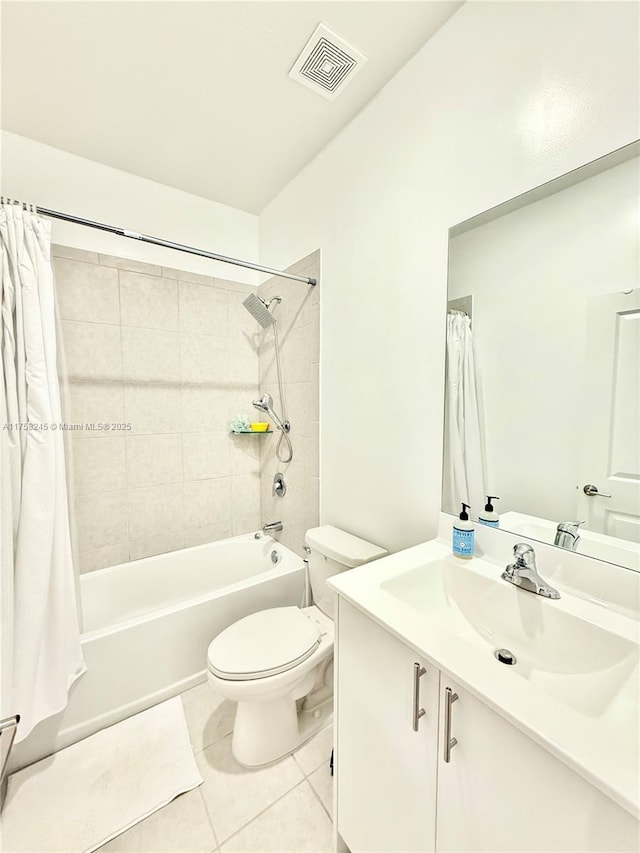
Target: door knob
{"points": [[592, 492]]}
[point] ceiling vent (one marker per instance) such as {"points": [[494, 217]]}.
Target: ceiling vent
{"points": [[327, 64]]}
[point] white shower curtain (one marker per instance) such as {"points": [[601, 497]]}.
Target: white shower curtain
{"points": [[465, 468], [39, 633]]}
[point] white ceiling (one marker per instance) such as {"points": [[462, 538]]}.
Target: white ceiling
{"points": [[195, 95]]}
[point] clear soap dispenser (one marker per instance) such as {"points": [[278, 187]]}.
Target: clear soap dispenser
{"points": [[489, 516], [463, 535]]}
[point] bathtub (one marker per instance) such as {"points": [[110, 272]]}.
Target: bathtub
{"points": [[147, 626]]}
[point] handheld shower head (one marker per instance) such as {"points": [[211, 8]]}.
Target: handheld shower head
{"points": [[265, 404]]}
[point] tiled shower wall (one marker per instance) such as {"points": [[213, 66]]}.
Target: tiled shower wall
{"points": [[299, 332], [175, 355]]}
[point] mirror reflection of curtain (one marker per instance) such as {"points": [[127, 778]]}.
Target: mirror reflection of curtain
{"points": [[465, 467]]}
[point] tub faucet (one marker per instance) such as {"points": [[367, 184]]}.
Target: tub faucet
{"points": [[272, 527], [524, 573], [567, 535]]}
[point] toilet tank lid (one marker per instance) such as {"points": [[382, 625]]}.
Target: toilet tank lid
{"points": [[349, 550]]}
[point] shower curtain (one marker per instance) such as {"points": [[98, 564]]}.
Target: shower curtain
{"points": [[465, 468], [40, 654]]}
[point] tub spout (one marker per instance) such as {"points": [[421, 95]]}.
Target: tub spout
{"points": [[272, 527]]}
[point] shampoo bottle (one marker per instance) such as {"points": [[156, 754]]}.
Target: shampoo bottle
{"points": [[490, 516], [463, 535]]}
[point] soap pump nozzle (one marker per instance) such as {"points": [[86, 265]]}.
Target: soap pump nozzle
{"points": [[464, 515], [489, 506]]}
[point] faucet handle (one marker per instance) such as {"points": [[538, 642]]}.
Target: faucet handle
{"points": [[524, 554], [569, 527]]}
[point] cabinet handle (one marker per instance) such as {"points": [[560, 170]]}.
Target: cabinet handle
{"points": [[418, 672], [449, 742]]}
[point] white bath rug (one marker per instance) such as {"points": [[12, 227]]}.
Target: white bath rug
{"points": [[84, 795]]}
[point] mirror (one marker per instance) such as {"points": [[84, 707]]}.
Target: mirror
{"points": [[542, 392]]}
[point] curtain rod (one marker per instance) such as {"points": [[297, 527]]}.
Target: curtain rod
{"points": [[179, 247]]}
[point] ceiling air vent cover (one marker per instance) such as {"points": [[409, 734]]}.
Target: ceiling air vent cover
{"points": [[327, 64]]}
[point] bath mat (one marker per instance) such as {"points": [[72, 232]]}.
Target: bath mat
{"points": [[84, 795]]}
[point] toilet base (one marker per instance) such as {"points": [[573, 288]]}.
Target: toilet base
{"points": [[266, 732]]}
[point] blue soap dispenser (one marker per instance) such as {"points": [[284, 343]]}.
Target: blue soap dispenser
{"points": [[463, 535]]}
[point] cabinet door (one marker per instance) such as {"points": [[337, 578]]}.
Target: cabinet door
{"points": [[501, 791], [386, 771]]}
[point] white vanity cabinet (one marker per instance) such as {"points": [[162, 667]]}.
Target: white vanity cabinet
{"points": [[499, 791], [386, 787]]}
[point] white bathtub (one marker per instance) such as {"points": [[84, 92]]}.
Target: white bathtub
{"points": [[147, 626]]}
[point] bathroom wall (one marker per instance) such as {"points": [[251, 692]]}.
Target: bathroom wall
{"points": [[298, 318], [532, 273], [61, 181], [504, 97], [174, 354]]}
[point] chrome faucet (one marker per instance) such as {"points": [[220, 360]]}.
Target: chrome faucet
{"points": [[524, 573], [272, 527], [567, 534]]}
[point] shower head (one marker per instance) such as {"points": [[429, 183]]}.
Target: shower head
{"points": [[265, 404], [256, 306]]}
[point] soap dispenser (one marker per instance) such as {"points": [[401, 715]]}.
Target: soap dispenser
{"points": [[489, 516], [463, 535]]}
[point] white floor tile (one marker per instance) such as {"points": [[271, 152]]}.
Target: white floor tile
{"points": [[209, 717], [322, 782], [296, 823], [315, 752], [182, 826], [235, 795]]}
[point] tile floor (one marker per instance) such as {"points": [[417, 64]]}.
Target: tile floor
{"points": [[285, 808]]}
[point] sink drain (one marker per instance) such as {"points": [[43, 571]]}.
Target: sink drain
{"points": [[505, 656]]}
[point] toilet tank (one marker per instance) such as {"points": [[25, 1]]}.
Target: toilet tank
{"points": [[331, 551]]}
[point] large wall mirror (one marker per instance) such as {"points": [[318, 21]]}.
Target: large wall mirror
{"points": [[542, 401]]}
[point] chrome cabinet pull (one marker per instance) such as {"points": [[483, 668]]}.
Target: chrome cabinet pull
{"points": [[418, 672], [449, 742], [592, 491]]}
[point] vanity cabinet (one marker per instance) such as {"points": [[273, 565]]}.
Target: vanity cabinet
{"points": [[499, 791], [387, 771]]}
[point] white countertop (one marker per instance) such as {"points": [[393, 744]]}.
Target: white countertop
{"points": [[602, 748]]}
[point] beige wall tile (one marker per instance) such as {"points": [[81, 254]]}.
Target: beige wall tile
{"points": [[153, 408], [245, 453], [150, 355], [140, 548], [243, 365], [86, 291], [148, 301], [299, 407], [205, 360], [92, 350], [245, 495], [99, 464], [93, 402], [129, 264], [155, 511], [112, 555], [297, 355], [101, 520], [206, 455], [208, 533], [207, 502], [245, 524], [184, 275], [241, 323], [153, 460], [206, 409], [237, 286], [203, 309], [72, 254]]}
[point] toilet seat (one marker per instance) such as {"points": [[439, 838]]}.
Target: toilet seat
{"points": [[263, 644]]}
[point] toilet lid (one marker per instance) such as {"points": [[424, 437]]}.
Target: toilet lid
{"points": [[263, 644]]}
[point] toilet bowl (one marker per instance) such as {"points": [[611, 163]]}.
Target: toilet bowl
{"points": [[276, 663]]}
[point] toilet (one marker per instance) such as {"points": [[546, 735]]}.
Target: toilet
{"points": [[277, 663]]}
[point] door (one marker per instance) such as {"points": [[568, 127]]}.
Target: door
{"points": [[611, 451], [385, 770], [500, 791]]}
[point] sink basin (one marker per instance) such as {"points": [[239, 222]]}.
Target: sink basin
{"points": [[577, 662], [591, 544]]}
